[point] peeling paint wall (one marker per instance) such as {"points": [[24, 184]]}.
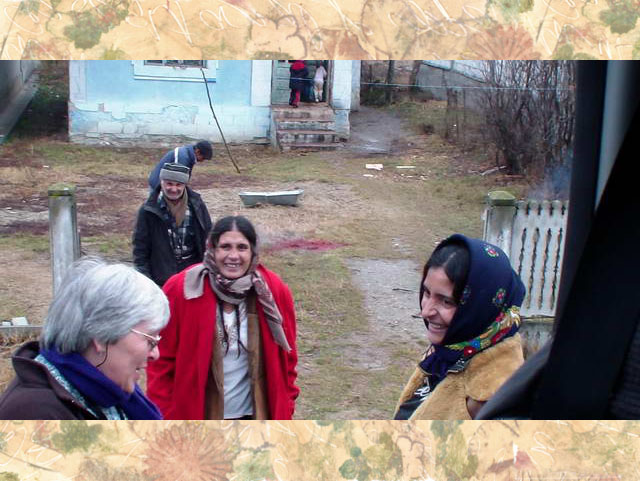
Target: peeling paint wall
{"points": [[107, 103]]}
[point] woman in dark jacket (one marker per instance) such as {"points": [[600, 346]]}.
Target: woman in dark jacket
{"points": [[298, 73], [100, 332]]}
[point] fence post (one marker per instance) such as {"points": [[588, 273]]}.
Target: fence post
{"points": [[498, 223], [64, 241]]}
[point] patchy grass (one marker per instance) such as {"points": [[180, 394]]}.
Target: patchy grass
{"points": [[328, 309], [467, 129], [421, 114], [315, 167], [11, 306], [26, 242], [26, 285], [116, 246]]}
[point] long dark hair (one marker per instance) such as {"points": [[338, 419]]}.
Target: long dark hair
{"points": [[238, 223], [453, 257], [245, 227]]}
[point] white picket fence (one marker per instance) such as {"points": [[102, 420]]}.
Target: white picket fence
{"points": [[532, 234]]}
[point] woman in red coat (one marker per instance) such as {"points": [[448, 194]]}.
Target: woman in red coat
{"points": [[229, 350]]}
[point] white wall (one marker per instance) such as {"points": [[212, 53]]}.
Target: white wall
{"points": [[341, 101]]}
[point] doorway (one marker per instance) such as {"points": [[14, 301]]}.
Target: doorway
{"points": [[280, 82]]}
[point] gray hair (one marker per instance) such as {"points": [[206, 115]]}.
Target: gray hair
{"points": [[101, 301]]}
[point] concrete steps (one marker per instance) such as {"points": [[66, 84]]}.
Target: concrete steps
{"points": [[309, 124], [306, 136], [309, 146], [308, 127]]}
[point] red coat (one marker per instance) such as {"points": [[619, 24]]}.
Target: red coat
{"points": [[176, 381]]}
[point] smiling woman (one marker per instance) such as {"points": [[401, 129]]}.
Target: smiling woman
{"points": [[244, 364], [100, 332], [469, 298]]}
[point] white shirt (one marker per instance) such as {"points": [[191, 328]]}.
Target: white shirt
{"points": [[237, 383]]}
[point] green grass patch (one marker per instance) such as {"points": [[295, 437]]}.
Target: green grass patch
{"points": [[421, 114], [37, 244], [312, 167], [322, 287], [96, 161], [10, 306], [113, 246], [328, 309], [388, 384]]}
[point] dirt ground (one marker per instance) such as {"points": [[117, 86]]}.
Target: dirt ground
{"points": [[373, 132]]}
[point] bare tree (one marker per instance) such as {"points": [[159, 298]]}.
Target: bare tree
{"points": [[528, 106], [414, 90], [389, 81]]}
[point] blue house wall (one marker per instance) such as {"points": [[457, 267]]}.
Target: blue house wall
{"points": [[107, 102]]}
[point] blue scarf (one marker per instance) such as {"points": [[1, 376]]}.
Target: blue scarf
{"points": [[492, 289], [98, 388]]}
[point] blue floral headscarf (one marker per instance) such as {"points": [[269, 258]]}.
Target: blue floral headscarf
{"points": [[488, 310]]}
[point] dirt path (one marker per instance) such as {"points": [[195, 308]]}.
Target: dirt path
{"points": [[389, 287], [375, 131], [390, 290]]}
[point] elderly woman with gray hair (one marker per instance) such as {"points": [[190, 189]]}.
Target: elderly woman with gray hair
{"points": [[100, 332]]}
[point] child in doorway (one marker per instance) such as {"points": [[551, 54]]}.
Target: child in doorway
{"points": [[318, 81]]}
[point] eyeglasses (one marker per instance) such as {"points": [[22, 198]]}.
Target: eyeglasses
{"points": [[152, 340]]}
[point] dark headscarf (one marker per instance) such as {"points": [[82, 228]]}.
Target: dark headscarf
{"points": [[488, 310]]}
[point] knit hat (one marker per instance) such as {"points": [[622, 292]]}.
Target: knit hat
{"points": [[175, 172]]}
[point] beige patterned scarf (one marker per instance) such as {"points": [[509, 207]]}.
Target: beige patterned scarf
{"points": [[178, 208], [234, 291]]}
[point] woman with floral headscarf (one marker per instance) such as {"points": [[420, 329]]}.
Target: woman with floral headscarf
{"points": [[229, 350], [470, 299]]}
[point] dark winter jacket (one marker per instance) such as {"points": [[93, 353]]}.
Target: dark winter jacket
{"points": [[152, 253], [35, 394], [186, 156], [298, 73]]}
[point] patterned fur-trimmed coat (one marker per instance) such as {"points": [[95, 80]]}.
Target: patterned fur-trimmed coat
{"points": [[478, 378]]}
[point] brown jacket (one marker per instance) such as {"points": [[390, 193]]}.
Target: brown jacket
{"points": [[479, 379], [35, 394]]}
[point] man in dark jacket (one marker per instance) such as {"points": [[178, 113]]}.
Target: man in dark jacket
{"points": [[186, 155], [172, 227]]}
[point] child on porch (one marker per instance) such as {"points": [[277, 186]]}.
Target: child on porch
{"points": [[318, 81]]}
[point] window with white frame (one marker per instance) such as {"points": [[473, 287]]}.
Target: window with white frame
{"points": [[181, 70]]}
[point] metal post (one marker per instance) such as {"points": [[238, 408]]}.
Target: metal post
{"points": [[64, 241]]}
